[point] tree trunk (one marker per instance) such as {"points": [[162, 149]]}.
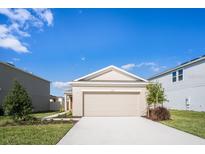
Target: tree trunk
{"points": [[154, 105], [148, 111]]}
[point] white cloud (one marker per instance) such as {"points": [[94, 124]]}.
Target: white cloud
{"points": [[15, 28], [83, 58], [128, 66], [150, 65], [61, 85], [16, 59], [17, 15], [20, 20], [9, 41], [13, 44], [46, 15]]}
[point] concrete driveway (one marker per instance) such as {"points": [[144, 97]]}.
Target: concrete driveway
{"points": [[125, 130]]}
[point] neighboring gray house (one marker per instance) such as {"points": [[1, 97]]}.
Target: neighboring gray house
{"points": [[184, 85], [38, 88]]}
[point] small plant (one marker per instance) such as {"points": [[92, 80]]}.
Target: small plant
{"points": [[155, 94], [69, 114], [62, 108], [18, 103], [155, 97], [159, 114]]}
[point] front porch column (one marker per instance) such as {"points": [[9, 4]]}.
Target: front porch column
{"points": [[65, 102], [69, 103]]}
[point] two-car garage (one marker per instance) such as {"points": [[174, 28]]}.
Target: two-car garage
{"points": [[109, 92], [111, 103]]}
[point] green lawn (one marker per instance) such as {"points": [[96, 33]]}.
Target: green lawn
{"points": [[44, 114], [188, 121], [7, 119], [32, 134]]}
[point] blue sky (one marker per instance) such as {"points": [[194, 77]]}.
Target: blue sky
{"points": [[63, 44]]}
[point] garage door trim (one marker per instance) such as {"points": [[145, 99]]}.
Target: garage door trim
{"points": [[104, 92]]}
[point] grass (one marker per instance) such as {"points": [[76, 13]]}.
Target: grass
{"points": [[189, 121], [33, 134], [42, 133], [8, 120], [44, 114]]}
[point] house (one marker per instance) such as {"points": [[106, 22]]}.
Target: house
{"points": [[56, 103], [37, 88], [184, 85], [110, 91]]}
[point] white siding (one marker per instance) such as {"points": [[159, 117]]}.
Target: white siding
{"points": [[192, 87]]}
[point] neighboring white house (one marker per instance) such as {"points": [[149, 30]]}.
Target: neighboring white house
{"points": [[110, 91], [57, 103], [184, 85]]}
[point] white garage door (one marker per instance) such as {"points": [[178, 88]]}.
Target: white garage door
{"points": [[111, 104]]}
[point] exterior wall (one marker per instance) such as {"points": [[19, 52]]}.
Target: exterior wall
{"points": [[192, 87], [38, 89], [56, 106], [113, 76], [78, 97]]}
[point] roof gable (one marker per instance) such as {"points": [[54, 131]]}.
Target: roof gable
{"points": [[111, 73]]}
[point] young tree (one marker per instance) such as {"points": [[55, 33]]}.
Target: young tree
{"points": [[18, 103], [155, 94]]}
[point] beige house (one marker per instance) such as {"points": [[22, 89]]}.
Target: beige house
{"points": [[110, 91]]}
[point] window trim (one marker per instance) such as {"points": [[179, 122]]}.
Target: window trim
{"points": [[180, 75], [174, 77]]}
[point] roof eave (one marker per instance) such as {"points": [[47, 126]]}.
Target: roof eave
{"points": [[175, 68], [108, 67]]}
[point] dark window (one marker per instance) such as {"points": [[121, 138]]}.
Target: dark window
{"points": [[180, 75], [174, 76]]}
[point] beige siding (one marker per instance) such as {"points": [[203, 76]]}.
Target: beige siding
{"points": [[110, 91], [113, 75], [78, 97]]}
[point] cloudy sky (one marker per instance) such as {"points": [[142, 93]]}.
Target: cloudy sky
{"points": [[63, 44]]}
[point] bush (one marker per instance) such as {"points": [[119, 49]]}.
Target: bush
{"points": [[159, 114], [18, 103], [1, 111]]}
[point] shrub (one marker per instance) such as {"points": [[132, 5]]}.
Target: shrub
{"points": [[18, 103], [159, 114], [69, 114], [1, 111]]}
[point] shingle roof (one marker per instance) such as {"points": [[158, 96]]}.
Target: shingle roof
{"points": [[13, 67], [187, 63]]}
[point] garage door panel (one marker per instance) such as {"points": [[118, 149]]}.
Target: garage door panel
{"points": [[111, 104]]}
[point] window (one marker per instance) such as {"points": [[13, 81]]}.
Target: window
{"points": [[174, 76], [180, 75]]}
